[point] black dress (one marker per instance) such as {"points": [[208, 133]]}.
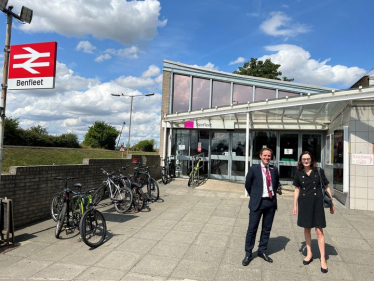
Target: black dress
{"points": [[311, 212]]}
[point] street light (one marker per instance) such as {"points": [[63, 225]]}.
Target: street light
{"points": [[25, 16], [124, 123], [132, 97]]}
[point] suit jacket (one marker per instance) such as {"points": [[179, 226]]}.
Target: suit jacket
{"points": [[254, 185]]}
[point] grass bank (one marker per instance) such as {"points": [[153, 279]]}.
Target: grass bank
{"points": [[31, 156]]}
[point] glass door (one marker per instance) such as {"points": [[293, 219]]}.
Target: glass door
{"points": [[220, 158], [288, 156], [238, 153]]}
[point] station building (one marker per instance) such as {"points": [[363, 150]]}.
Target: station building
{"points": [[227, 118]]}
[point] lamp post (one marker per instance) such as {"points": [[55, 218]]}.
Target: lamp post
{"points": [[124, 123], [25, 16], [132, 97]]}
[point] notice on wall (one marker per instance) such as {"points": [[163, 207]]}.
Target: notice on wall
{"points": [[181, 147], [288, 151], [363, 159]]}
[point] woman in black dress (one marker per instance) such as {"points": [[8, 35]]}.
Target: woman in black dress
{"points": [[308, 201]]}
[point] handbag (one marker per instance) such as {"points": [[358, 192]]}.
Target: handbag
{"points": [[327, 201]]}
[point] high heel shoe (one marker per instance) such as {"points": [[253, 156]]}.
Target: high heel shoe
{"points": [[324, 270], [307, 262]]}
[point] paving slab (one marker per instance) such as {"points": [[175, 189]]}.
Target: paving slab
{"points": [[193, 234]]}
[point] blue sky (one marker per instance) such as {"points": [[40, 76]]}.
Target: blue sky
{"points": [[118, 46]]}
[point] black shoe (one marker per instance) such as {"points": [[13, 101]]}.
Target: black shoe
{"points": [[265, 257], [307, 262], [246, 260], [324, 270]]}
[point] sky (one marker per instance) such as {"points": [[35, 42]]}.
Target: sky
{"points": [[117, 47]]}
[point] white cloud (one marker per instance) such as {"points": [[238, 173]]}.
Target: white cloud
{"points": [[279, 24], [123, 21], [209, 65], [297, 63], [238, 60], [86, 47], [130, 53], [103, 57], [78, 102], [152, 70]]}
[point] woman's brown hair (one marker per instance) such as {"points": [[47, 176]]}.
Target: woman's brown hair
{"points": [[313, 163]]}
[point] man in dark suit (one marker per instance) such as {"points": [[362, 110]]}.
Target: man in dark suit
{"points": [[261, 184]]}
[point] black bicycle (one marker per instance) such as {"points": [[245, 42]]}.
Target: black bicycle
{"points": [[84, 216], [167, 171], [143, 177]]}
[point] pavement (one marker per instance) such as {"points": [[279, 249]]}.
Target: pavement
{"points": [[193, 234]]}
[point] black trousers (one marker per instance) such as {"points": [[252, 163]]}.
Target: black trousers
{"points": [[266, 211]]}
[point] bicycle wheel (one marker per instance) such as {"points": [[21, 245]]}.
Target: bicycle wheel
{"points": [[124, 197], [56, 205], [60, 220], [138, 199], [155, 191], [163, 176], [99, 194], [93, 228]]}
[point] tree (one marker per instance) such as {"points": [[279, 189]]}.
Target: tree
{"points": [[101, 135], [12, 132], [39, 129], [258, 68], [144, 145]]}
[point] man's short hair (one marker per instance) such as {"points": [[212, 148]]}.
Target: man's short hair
{"points": [[266, 148]]}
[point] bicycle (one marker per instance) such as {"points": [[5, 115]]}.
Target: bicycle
{"points": [[143, 177], [137, 192], [119, 192], [81, 200], [58, 199], [193, 171], [167, 171], [92, 227]]}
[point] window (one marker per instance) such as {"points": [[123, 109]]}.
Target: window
{"points": [[181, 93], [221, 93], [262, 94], [200, 93], [242, 94]]}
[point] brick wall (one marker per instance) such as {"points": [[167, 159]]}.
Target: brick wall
{"points": [[32, 187], [164, 106]]}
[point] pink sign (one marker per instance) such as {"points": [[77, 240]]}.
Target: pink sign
{"points": [[189, 124]]}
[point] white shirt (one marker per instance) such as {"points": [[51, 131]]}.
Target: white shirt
{"points": [[265, 188]]}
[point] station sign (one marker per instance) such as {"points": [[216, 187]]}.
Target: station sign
{"points": [[32, 66]]}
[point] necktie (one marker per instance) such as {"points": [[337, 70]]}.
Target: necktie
{"points": [[268, 182]]}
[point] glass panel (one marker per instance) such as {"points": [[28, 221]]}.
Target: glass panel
{"points": [[221, 93], [282, 94], [238, 168], [338, 159], [262, 94], [312, 143], [238, 144], [264, 139], [220, 143], [288, 147], [287, 173], [242, 94], [200, 93], [181, 91], [202, 137], [219, 167], [180, 142]]}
